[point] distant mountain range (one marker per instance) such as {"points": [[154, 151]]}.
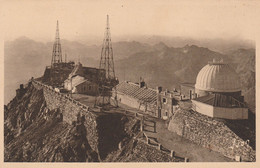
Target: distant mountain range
{"points": [[215, 44], [160, 64]]}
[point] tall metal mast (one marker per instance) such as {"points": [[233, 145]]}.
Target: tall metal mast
{"points": [[106, 61], [56, 53]]}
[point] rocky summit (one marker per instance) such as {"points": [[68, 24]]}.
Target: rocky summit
{"points": [[34, 133]]}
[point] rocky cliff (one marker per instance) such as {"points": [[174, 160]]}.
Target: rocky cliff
{"points": [[43, 126]]}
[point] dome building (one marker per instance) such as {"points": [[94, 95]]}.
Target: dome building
{"points": [[218, 92], [217, 77]]}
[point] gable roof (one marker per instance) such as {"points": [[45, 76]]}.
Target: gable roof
{"points": [[78, 70], [76, 80], [133, 90]]}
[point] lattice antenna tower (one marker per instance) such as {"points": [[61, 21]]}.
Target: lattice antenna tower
{"points": [[106, 61], [56, 53]]}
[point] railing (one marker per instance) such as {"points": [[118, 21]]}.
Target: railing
{"points": [[151, 142], [83, 106]]}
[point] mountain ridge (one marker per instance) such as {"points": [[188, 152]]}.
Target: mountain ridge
{"points": [[158, 64]]}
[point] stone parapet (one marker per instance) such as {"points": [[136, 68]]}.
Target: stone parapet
{"points": [[212, 134]]}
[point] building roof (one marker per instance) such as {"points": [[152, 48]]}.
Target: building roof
{"points": [[131, 89], [76, 80], [218, 77], [78, 70], [220, 100], [188, 84]]}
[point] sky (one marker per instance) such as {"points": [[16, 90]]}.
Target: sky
{"points": [[83, 19]]}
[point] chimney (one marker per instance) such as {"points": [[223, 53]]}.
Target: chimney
{"points": [[159, 89], [141, 82]]}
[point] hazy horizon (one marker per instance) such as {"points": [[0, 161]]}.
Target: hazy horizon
{"points": [[21, 56], [80, 20], [97, 40], [221, 45]]}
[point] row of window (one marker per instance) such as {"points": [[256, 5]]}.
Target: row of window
{"points": [[89, 88]]}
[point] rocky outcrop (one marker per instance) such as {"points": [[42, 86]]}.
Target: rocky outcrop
{"points": [[45, 126], [51, 141], [22, 111], [35, 132]]}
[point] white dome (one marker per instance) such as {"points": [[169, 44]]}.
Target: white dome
{"points": [[218, 77]]}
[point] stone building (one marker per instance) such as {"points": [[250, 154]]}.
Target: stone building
{"points": [[218, 92], [77, 70], [78, 84], [154, 102], [91, 74], [81, 81], [94, 74], [55, 75]]}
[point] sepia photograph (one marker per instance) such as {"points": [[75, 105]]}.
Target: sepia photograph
{"points": [[129, 82]]}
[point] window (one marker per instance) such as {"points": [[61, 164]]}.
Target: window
{"points": [[89, 88], [164, 100]]}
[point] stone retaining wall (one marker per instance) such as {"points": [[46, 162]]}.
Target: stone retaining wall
{"points": [[70, 109], [210, 133]]}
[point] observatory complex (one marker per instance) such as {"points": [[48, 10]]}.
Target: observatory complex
{"points": [[217, 92], [108, 115]]}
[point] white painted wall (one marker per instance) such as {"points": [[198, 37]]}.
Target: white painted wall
{"points": [[132, 102], [203, 108], [220, 112], [128, 101], [231, 113]]}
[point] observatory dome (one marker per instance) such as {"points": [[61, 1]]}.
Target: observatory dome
{"points": [[218, 77]]}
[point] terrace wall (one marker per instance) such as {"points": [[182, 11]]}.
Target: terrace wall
{"points": [[212, 134]]}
